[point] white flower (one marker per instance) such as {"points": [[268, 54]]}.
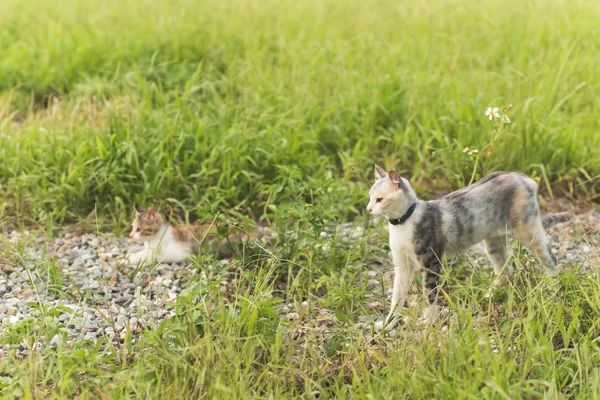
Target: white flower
{"points": [[492, 112], [505, 119]]}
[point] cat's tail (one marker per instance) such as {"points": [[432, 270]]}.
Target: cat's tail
{"points": [[555, 218], [256, 234], [226, 247], [262, 232]]}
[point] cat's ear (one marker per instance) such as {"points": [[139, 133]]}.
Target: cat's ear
{"points": [[138, 209], [379, 172], [395, 178], [152, 214]]}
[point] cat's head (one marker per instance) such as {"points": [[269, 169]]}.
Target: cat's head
{"points": [[391, 195], [146, 224]]}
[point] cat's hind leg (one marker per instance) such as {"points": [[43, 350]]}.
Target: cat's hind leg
{"points": [[496, 249], [535, 239]]}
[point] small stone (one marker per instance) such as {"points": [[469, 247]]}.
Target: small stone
{"points": [[123, 300], [121, 321], [74, 253], [93, 285], [56, 340], [89, 324], [171, 296], [63, 317], [293, 316], [166, 282]]}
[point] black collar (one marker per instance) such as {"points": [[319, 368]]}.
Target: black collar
{"points": [[402, 219]]}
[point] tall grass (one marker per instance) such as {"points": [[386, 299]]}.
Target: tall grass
{"points": [[202, 101]]}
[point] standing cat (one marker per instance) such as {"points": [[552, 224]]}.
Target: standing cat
{"points": [[169, 245], [492, 209]]}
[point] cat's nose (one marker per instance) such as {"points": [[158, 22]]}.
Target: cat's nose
{"points": [[369, 209]]}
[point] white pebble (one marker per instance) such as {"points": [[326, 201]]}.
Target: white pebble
{"points": [[293, 316]]}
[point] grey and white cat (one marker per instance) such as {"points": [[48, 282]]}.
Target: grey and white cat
{"points": [[421, 233]]}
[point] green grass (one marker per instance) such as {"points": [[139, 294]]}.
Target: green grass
{"points": [[250, 110], [205, 103]]}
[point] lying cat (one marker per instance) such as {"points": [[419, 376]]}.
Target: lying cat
{"points": [[492, 209], [169, 245]]}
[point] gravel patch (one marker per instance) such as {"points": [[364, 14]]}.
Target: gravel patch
{"points": [[81, 283], [94, 295]]}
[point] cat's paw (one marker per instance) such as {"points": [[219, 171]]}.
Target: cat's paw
{"points": [[495, 289], [136, 258], [387, 324], [500, 281], [430, 315]]}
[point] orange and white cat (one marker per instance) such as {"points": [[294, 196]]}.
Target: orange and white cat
{"points": [[166, 244]]}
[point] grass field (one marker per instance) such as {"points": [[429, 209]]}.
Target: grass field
{"points": [[275, 112]]}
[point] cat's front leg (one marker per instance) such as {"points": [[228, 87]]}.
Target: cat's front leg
{"points": [[173, 253], [168, 258], [402, 275], [145, 255], [136, 258]]}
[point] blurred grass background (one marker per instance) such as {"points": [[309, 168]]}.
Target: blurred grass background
{"points": [[204, 105]]}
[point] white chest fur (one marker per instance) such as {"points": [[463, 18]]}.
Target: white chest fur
{"points": [[164, 248], [401, 240]]}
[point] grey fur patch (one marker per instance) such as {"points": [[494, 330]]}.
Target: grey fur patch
{"points": [[429, 242]]}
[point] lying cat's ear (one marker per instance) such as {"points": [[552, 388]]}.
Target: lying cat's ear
{"points": [[138, 209], [152, 214], [379, 172], [395, 178]]}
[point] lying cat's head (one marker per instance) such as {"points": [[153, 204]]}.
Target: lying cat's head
{"points": [[390, 195], [146, 224]]}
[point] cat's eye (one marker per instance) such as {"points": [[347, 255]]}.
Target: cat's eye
{"points": [[379, 200]]}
